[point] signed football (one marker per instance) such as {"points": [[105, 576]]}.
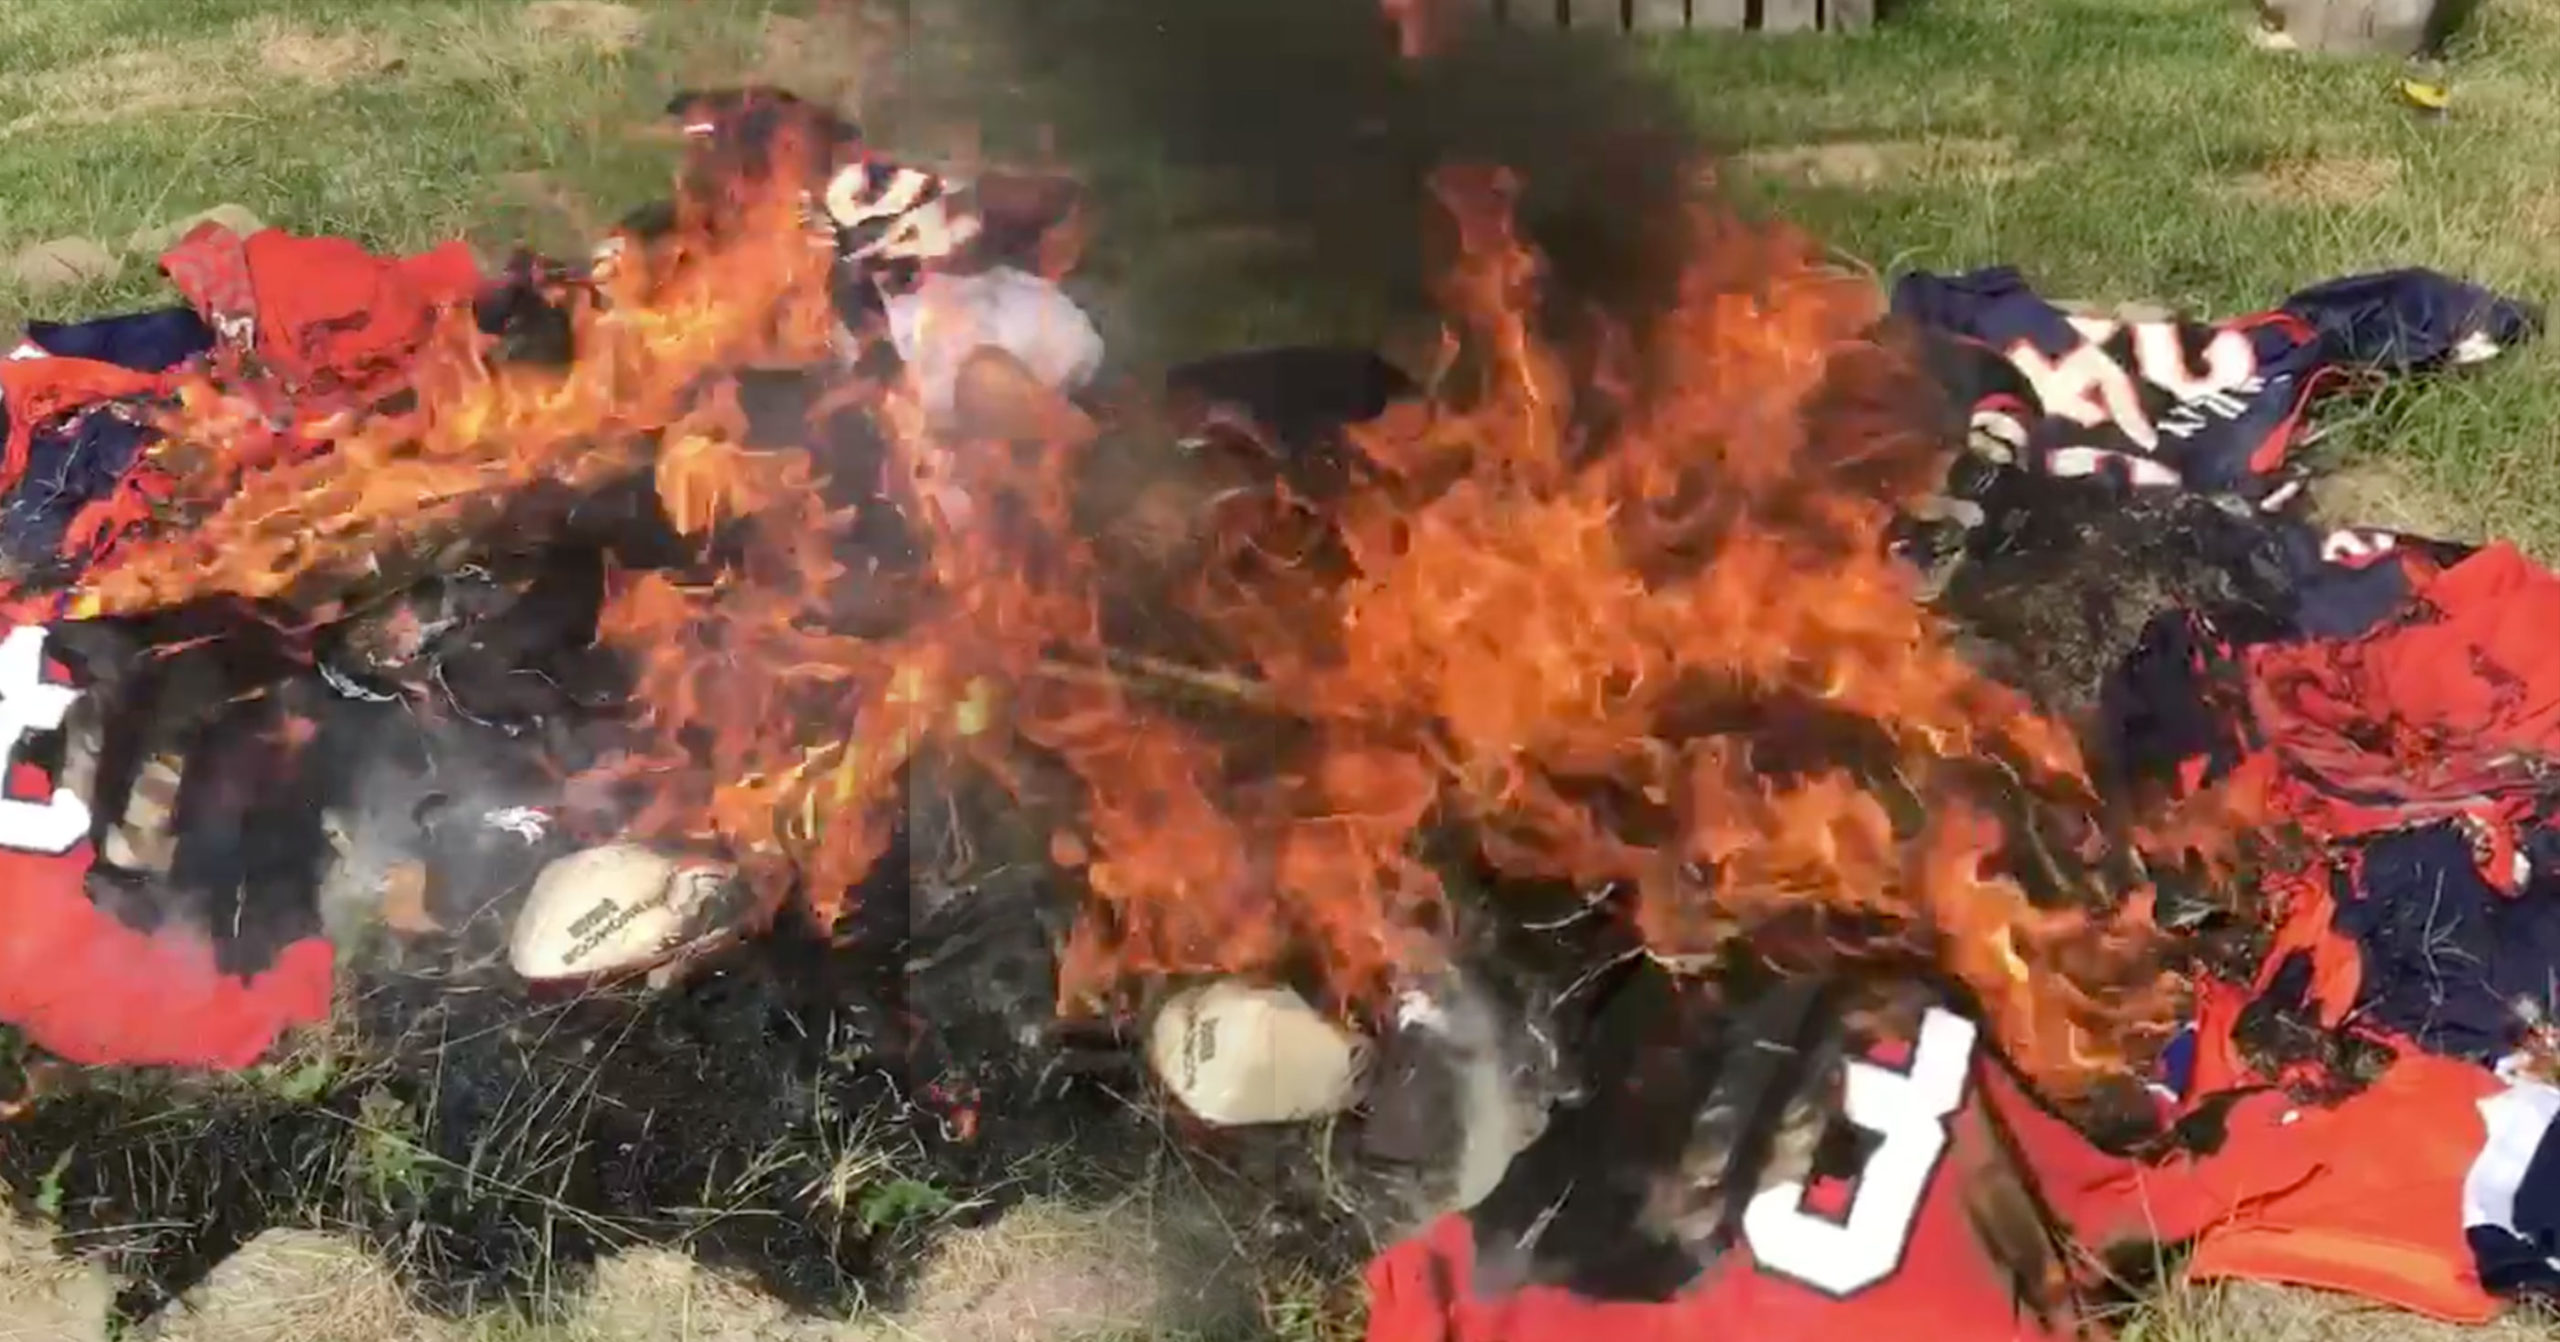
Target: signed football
{"points": [[621, 908], [1237, 1055]]}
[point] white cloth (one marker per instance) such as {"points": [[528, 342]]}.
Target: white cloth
{"points": [[2516, 1118], [2519, 1121], [950, 317]]}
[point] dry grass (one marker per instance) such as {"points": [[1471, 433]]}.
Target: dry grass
{"points": [[841, 54], [2321, 181], [1872, 164], [598, 24], [2252, 1313], [293, 1285], [2375, 492], [1147, 1267], [1045, 1272], [238, 68], [122, 85], [654, 1294], [324, 60], [44, 1298]]}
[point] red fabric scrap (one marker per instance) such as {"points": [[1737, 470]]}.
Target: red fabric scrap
{"points": [[97, 992], [2362, 1198], [35, 391], [2450, 710], [2382, 1216], [2305, 922], [2219, 1068], [1945, 1287], [100, 523], [333, 325], [210, 265]]}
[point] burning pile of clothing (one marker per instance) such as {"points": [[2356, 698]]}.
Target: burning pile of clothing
{"points": [[1822, 809]]}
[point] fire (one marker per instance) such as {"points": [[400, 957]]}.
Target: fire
{"points": [[1627, 616], [1421, 26], [479, 433], [1655, 640]]}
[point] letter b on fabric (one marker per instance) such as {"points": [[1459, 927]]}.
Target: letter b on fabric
{"points": [[30, 703], [1908, 1110]]}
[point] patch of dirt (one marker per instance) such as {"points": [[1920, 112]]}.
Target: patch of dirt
{"points": [[1150, 1267], [2276, 1314], [62, 263], [2374, 493], [43, 1298], [202, 75], [1044, 1270], [323, 60], [151, 240], [658, 1293], [2517, 228], [289, 1285], [128, 84], [2324, 181], [838, 55], [599, 24], [1871, 164]]}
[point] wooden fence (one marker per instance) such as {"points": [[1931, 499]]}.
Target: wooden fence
{"points": [[1672, 16]]}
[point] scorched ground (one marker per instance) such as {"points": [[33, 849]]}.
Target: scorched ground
{"points": [[1588, 660]]}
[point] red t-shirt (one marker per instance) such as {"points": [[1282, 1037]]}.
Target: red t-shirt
{"points": [[1895, 1253], [81, 983]]}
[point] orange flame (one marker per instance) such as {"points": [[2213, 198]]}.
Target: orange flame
{"points": [[480, 432], [1589, 628], [1421, 26], [1632, 620]]}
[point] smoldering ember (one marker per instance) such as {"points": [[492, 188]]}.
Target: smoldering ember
{"points": [[754, 740]]}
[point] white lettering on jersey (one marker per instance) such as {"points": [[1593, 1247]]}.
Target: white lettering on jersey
{"points": [[29, 703], [2355, 547], [2143, 472], [2161, 358], [2188, 418], [2088, 387], [1909, 1111], [897, 214], [236, 328]]}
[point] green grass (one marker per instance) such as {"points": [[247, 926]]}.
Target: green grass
{"points": [[2122, 138], [2114, 149], [412, 121], [2133, 130]]}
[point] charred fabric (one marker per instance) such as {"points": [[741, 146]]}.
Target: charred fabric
{"points": [[1836, 808]]}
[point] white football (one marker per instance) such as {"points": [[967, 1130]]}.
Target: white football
{"points": [[619, 909], [1238, 1055]]}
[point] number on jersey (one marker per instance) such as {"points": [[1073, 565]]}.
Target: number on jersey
{"points": [[2357, 547], [2090, 388], [29, 704], [1908, 1111]]}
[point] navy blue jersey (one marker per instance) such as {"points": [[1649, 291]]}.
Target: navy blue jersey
{"points": [[2176, 402]]}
